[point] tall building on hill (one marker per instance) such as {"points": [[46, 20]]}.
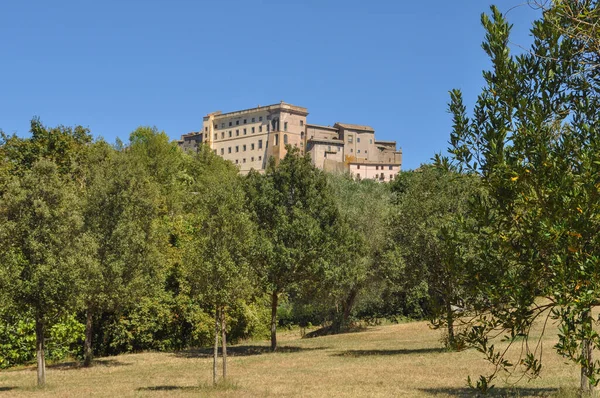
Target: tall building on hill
{"points": [[250, 137]]}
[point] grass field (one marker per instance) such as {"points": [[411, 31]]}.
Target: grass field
{"points": [[404, 360]]}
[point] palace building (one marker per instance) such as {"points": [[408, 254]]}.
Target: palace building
{"points": [[249, 137]]}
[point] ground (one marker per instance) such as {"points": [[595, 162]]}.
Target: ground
{"points": [[400, 360]]}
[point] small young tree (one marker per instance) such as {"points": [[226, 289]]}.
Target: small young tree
{"points": [[218, 249], [42, 248], [534, 139]]}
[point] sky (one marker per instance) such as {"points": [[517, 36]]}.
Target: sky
{"points": [[113, 65]]}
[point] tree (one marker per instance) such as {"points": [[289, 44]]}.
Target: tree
{"points": [[360, 237], [534, 140], [294, 211], [218, 252], [120, 213], [42, 247], [428, 229]]}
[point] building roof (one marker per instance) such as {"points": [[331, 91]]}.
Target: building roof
{"points": [[385, 142], [327, 141], [321, 127], [354, 126], [280, 105]]}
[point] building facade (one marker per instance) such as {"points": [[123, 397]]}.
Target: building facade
{"points": [[249, 137]]}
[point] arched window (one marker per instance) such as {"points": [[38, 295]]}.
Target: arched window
{"points": [[285, 140]]}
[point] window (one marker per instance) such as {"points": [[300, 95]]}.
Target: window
{"points": [[376, 167], [358, 166], [358, 151], [302, 135], [357, 139], [222, 135], [216, 126], [349, 139], [365, 151], [268, 128], [285, 139], [284, 126], [252, 130], [237, 148], [260, 118], [301, 123], [237, 161], [391, 177], [259, 144], [325, 154], [252, 146], [244, 121], [222, 125], [222, 151], [229, 124], [329, 148], [253, 119], [382, 176], [276, 139], [244, 148], [237, 122], [215, 136], [260, 129], [229, 150], [205, 129], [351, 150], [252, 159], [370, 141], [237, 133], [244, 131], [229, 133], [260, 158], [244, 160], [391, 167]]}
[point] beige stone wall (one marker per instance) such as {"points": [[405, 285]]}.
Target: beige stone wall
{"points": [[320, 152]]}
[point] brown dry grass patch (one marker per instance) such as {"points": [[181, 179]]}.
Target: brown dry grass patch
{"points": [[404, 360]]}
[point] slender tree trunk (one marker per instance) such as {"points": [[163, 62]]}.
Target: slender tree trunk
{"points": [[586, 347], [216, 347], [274, 301], [40, 351], [224, 343], [450, 322], [87, 344]]}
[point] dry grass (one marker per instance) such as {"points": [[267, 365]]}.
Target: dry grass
{"points": [[403, 360]]}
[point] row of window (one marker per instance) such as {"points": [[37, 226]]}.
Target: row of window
{"points": [[377, 167], [244, 147], [237, 161], [237, 132], [260, 118]]}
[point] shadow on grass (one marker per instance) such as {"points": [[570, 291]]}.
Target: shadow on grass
{"points": [[5, 388], [402, 351], [494, 392], [96, 363], [222, 385], [169, 388], [330, 331], [242, 351]]}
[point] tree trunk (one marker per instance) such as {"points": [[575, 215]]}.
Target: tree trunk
{"points": [[348, 305], [274, 300], [586, 348], [40, 351], [216, 347], [450, 322], [87, 344], [224, 343]]}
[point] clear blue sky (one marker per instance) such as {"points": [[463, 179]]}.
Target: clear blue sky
{"points": [[115, 65]]}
